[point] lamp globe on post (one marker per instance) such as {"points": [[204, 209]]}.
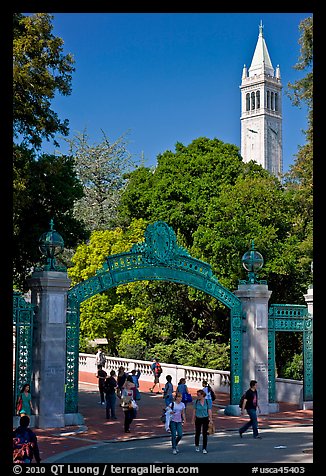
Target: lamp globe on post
{"points": [[51, 244], [252, 262]]}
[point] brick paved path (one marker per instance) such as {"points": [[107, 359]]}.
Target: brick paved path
{"points": [[147, 424]]}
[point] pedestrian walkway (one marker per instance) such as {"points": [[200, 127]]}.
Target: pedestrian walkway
{"points": [[97, 430]]}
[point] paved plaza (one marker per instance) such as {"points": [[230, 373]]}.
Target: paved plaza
{"points": [[287, 436]]}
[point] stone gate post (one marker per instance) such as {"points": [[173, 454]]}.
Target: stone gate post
{"points": [[254, 298], [49, 294]]}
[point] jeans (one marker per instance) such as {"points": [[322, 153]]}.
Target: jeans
{"points": [[252, 422], [176, 429], [199, 423], [110, 405]]}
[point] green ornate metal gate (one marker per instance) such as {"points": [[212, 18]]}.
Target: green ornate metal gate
{"points": [[159, 257], [23, 317], [291, 318]]}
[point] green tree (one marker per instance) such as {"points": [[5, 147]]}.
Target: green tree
{"points": [[100, 168], [298, 184], [40, 69], [48, 190], [44, 187], [299, 180], [217, 205]]}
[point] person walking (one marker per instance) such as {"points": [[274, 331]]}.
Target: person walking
{"points": [[121, 378], [207, 389], [129, 385], [24, 402], [135, 374], [250, 403], [177, 418], [168, 391], [157, 371], [25, 446], [129, 406], [110, 386], [101, 375], [100, 358], [183, 389], [201, 417]]}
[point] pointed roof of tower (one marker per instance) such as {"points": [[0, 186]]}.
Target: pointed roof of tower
{"points": [[261, 62]]}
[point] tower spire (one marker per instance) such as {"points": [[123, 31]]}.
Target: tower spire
{"points": [[261, 62], [261, 27]]}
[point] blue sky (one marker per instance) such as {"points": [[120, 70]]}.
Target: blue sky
{"points": [[164, 78]]}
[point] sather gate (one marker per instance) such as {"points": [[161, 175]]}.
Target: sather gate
{"points": [[55, 307], [159, 257]]}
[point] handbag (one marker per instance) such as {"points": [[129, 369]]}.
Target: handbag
{"points": [[211, 428], [19, 405], [186, 397]]}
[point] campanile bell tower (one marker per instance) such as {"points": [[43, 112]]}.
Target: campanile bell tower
{"points": [[261, 110]]}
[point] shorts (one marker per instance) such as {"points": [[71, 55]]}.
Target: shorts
{"points": [[156, 378]]}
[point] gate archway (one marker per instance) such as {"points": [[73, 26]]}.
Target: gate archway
{"points": [[158, 257]]}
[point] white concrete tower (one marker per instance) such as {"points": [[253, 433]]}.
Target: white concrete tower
{"points": [[261, 111]]}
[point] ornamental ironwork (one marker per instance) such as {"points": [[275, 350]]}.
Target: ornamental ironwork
{"points": [[291, 318], [23, 319], [158, 257]]}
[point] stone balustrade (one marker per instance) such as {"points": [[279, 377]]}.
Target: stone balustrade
{"points": [[219, 380]]}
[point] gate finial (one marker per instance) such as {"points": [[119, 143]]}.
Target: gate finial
{"points": [[252, 262], [51, 244]]}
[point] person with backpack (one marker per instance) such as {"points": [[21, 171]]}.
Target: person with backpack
{"points": [[110, 386], [100, 358], [157, 371], [25, 446], [177, 417], [210, 395], [201, 417], [250, 403]]}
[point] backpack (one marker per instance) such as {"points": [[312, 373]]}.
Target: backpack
{"points": [[241, 399], [102, 359], [158, 369], [213, 396]]}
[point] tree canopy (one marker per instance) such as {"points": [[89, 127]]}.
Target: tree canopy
{"points": [[40, 69]]}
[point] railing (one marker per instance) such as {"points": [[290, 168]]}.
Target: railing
{"points": [[286, 390], [218, 379]]}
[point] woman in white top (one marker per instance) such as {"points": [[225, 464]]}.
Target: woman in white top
{"points": [[177, 418]]}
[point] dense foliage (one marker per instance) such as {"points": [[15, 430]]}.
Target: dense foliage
{"points": [[214, 202], [44, 186]]}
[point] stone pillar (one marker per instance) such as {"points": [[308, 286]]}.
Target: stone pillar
{"points": [[254, 298], [49, 294]]}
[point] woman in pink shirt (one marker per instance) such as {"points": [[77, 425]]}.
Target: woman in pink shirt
{"points": [[177, 418]]}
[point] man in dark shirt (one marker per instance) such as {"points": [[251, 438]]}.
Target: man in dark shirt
{"points": [[101, 375], [250, 403], [25, 443]]}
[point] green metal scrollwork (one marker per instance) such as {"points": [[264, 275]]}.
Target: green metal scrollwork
{"points": [[291, 318], [158, 257], [23, 317]]}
